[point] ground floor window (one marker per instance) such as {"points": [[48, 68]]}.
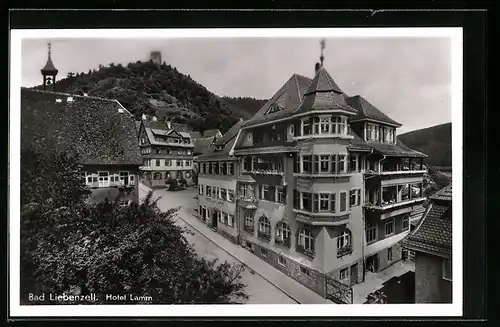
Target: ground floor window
{"points": [[156, 176], [343, 240], [282, 231], [343, 274], [249, 224], [305, 271], [282, 260], [389, 228], [103, 178], [306, 240], [230, 221], [389, 254], [263, 252]]}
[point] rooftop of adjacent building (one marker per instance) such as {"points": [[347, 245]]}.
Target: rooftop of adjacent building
{"points": [[433, 235], [99, 130]]}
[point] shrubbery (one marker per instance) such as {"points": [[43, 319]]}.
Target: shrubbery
{"points": [[73, 247]]}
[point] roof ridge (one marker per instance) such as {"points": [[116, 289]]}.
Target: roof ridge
{"points": [[72, 95]]}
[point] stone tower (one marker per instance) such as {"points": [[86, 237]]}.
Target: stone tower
{"points": [[156, 57], [49, 73]]}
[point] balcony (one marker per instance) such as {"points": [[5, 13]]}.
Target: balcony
{"points": [[247, 202], [264, 236], [343, 251], [322, 218], [283, 242], [396, 172], [387, 205], [268, 172], [323, 175], [249, 229], [308, 252]]}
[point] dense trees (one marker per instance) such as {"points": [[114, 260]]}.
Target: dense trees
{"points": [[135, 84], [72, 247], [246, 105]]}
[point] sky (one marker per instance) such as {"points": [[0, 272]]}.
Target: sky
{"points": [[407, 78]]}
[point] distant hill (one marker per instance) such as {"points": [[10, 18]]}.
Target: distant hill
{"points": [[144, 87], [245, 106], [434, 141]]}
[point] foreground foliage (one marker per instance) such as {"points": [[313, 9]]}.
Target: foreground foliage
{"points": [[78, 248]]}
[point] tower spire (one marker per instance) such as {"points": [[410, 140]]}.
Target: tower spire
{"points": [[49, 72], [321, 58]]}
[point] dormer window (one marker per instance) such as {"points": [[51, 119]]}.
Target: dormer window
{"points": [[274, 108]]}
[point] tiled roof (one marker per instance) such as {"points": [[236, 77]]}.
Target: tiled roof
{"points": [[288, 97], [211, 133], [101, 131], [365, 110], [202, 144], [322, 82], [395, 150], [434, 233], [357, 143], [443, 194], [227, 141], [323, 94]]}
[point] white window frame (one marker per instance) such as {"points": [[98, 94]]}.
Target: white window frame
{"points": [[282, 228], [325, 121], [249, 221], [230, 220], [389, 254], [264, 223], [303, 123], [341, 157], [390, 222], [306, 239], [280, 193], [105, 181], [322, 197], [343, 240], [230, 195], [322, 159]]}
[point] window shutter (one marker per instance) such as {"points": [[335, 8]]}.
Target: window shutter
{"points": [[295, 199], [310, 209], [333, 165], [316, 202], [315, 164], [332, 202]]}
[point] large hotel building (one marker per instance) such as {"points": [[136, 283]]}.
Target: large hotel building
{"points": [[316, 183]]}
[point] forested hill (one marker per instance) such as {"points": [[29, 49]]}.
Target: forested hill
{"points": [[246, 106], [144, 87], [434, 141]]}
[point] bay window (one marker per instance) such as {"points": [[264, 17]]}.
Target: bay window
{"points": [[324, 163], [324, 200], [306, 203], [306, 164], [316, 125], [305, 240], [325, 125], [341, 164], [343, 201]]}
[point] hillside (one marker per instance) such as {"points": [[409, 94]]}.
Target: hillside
{"points": [[434, 141], [245, 106], [144, 87]]}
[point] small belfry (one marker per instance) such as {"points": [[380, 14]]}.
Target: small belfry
{"points": [[49, 72]]}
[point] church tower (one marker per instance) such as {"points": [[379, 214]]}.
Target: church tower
{"points": [[49, 73]]}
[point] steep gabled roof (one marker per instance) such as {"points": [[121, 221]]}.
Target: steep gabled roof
{"points": [[323, 94], [288, 97], [226, 142], [365, 110], [202, 144], [434, 233], [100, 131]]}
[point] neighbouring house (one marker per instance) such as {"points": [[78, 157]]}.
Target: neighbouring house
{"points": [[167, 152], [431, 241], [218, 170], [212, 133], [101, 132], [325, 190]]}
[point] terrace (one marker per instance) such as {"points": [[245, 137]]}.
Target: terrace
{"points": [[393, 196], [396, 166]]}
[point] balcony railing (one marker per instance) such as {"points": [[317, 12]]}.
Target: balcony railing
{"points": [[249, 229], [263, 235], [343, 251], [383, 205], [274, 172], [283, 242], [396, 172], [308, 252]]}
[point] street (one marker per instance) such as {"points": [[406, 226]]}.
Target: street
{"points": [[258, 289]]}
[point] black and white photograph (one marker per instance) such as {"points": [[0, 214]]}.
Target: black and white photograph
{"points": [[271, 167]]}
